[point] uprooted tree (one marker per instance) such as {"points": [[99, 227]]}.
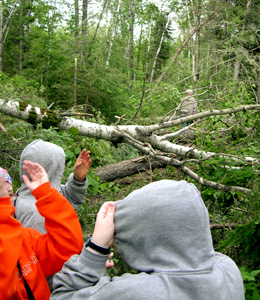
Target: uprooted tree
{"points": [[157, 143]]}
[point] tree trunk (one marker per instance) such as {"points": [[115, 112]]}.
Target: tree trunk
{"points": [[96, 31], [113, 33], [84, 26], [76, 7], [75, 82], [185, 42], [131, 38], [85, 18], [258, 85], [1, 36], [159, 48], [21, 39], [148, 49], [142, 138], [4, 29], [237, 63], [197, 45], [127, 168]]}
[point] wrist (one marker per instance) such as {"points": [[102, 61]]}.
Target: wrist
{"points": [[97, 249], [79, 179]]}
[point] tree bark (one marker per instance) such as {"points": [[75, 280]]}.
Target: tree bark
{"points": [[238, 63], [143, 138], [96, 31], [75, 81], [1, 36], [159, 48], [4, 28], [113, 33], [127, 168], [131, 37], [76, 7], [161, 77], [21, 38]]}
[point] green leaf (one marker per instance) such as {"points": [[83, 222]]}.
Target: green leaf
{"points": [[73, 130]]}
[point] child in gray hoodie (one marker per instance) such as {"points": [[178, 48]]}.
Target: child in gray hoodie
{"points": [[52, 158], [163, 231]]}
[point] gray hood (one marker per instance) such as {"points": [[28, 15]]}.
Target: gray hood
{"points": [[163, 231], [164, 226], [48, 155], [52, 158]]}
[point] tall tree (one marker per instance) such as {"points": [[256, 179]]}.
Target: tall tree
{"points": [[4, 27], [160, 46], [111, 42], [244, 24]]}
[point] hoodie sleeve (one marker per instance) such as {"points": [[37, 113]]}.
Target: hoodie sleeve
{"points": [[64, 236], [82, 276], [75, 191], [10, 248]]}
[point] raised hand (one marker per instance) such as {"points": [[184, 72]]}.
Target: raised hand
{"points": [[103, 234], [37, 174], [82, 165]]}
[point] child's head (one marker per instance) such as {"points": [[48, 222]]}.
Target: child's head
{"points": [[8, 180]]}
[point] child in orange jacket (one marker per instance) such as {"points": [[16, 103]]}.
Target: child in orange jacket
{"points": [[28, 256]]}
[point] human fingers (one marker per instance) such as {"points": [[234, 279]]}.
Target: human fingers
{"points": [[109, 264], [36, 172], [103, 234], [107, 210]]}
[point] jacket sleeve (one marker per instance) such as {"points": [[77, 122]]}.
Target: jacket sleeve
{"points": [[64, 236], [82, 276], [75, 191], [10, 248]]}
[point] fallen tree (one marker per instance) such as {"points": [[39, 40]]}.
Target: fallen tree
{"points": [[144, 138], [128, 167]]}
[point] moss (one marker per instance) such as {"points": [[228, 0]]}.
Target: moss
{"points": [[50, 119], [22, 105]]}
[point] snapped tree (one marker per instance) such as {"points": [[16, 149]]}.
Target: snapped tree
{"points": [[149, 139]]}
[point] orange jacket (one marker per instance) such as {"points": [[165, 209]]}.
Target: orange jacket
{"points": [[39, 255]]}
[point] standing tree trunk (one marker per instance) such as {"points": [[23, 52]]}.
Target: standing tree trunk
{"points": [[258, 85], [4, 29], [237, 63], [21, 38], [139, 48], [159, 48], [197, 45], [148, 49], [76, 6], [84, 25], [131, 37], [113, 33], [84, 18], [184, 43], [1, 36], [96, 31], [75, 83]]}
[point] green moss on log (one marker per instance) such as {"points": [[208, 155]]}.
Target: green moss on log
{"points": [[49, 119]]}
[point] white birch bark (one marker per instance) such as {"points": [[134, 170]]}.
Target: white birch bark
{"points": [[113, 33], [159, 48], [142, 138], [4, 29]]}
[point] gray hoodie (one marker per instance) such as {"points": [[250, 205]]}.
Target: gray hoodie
{"points": [[162, 230], [52, 158]]}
